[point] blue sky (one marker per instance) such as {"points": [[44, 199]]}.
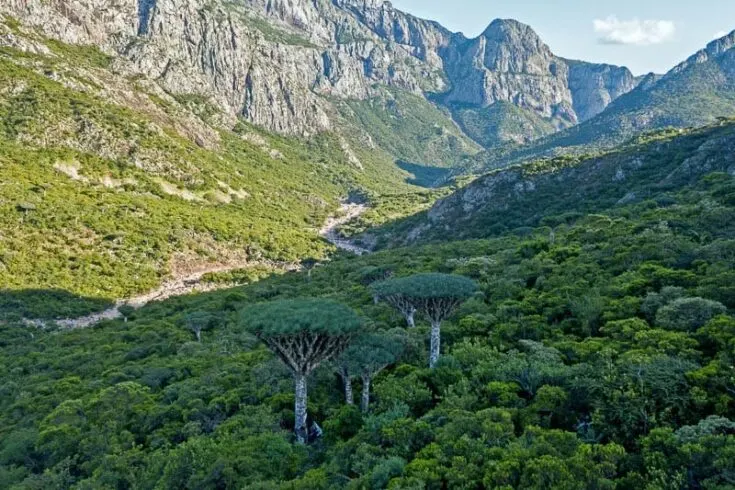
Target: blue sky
{"points": [[644, 35]]}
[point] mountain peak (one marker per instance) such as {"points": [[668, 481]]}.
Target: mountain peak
{"points": [[508, 29]]}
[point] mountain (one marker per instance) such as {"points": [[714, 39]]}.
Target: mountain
{"points": [[111, 185], [509, 62], [509, 65], [282, 64], [553, 191], [169, 138], [696, 92]]}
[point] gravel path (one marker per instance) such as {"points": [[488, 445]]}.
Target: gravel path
{"points": [[330, 231]]}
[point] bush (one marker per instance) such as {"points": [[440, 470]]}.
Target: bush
{"points": [[688, 314]]}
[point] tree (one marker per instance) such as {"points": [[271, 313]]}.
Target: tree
{"points": [[366, 358], [126, 311], [389, 292], [197, 322], [656, 301], [688, 314], [308, 264], [303, 333], [434, 295]]}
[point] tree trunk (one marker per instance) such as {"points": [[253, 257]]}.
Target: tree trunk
{"points": [[435, 343], [198, 333], [410, 318], [365, 399], [349, 397], [300, 409]]}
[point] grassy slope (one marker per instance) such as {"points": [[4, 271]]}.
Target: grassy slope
{"points": [[410, 128], [502, 123], [107, 188]]}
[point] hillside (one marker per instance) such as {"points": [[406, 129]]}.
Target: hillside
{"points": [[540, 191], [111, 184], [152, 162], [597, 355], [694, 93]]}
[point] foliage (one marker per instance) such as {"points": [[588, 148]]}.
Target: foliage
{"points": [[502, 123], [110, 185], [410, 128], [599, 354], [426, 286], [291, 317], [688, 314], [525, 395], [533, 194]]}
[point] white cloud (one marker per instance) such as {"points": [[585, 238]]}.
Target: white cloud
{"points": [[720, 34], [637, 32]]}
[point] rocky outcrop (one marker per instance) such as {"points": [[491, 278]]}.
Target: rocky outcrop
{"points": [[510, 63], [278, 62], [104, 23], [594, 86], [712, 51]]}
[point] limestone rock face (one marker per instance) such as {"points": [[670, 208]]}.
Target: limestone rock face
{"points": [[277, 63], [510, 63], [595, 86]]}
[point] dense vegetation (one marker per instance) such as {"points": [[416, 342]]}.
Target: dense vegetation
{"points": [[110, 185], [581, 335], [599, 355], [652, 167], [502, 123], [411, 128]]}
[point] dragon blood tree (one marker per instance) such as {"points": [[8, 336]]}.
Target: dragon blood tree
{"points": [[434, 295], [391, 291], [368, 355], [303, 333]]}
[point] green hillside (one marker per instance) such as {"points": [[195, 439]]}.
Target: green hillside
{"points": [[598, 355], [410, 128], [647, 169], [111, 185], [502, 123]]}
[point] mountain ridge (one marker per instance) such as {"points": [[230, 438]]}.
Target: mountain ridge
{"points": [[524, 195], [696, 92], [276, 63]]}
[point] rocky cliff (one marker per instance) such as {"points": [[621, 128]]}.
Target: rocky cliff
{"points": [[279, 63], [711, 52], [595, 86]]}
